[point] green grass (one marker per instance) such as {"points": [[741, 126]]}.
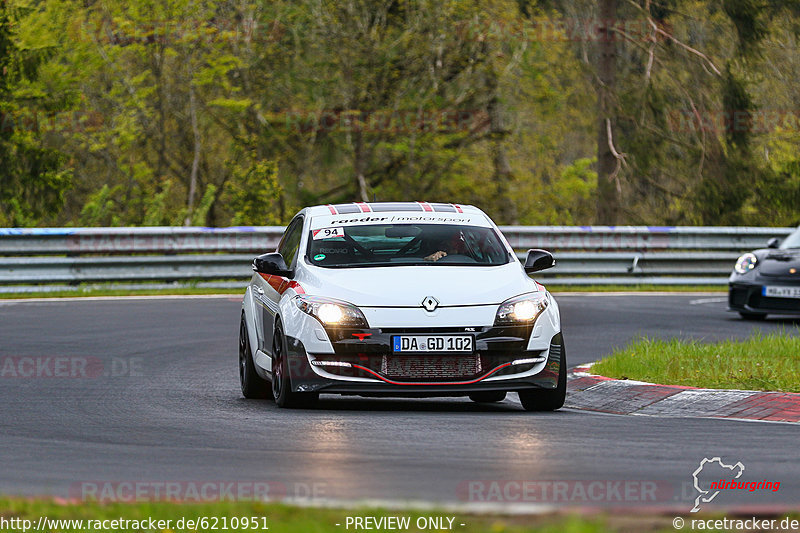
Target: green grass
{"points": [[763, 362], [79, 293], [101, 291], [291, 519], [85, 291], [555, 288]]}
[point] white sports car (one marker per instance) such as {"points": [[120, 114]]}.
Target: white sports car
{"points": [[399, 299]]}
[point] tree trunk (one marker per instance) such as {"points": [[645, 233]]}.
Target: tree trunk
{"points": [[507, 208], [196, 160], [503, 202], [608, 194], [359, 164]]}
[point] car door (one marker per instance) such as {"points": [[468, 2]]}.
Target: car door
{"points": [[269, 289]]}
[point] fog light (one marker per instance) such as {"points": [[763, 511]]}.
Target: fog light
{"points": [[317, 362], [532, 360]]}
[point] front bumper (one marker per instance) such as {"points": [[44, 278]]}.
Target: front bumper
{"points": [[501, 362], [749, 298]]}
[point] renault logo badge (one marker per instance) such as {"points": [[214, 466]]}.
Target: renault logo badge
{"points": [[430, 303]]}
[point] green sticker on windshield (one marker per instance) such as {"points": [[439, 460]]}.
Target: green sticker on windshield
{"points": [[319, 257]]}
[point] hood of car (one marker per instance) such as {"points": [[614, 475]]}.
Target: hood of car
{"points": [[408, 286], [777, 262]]}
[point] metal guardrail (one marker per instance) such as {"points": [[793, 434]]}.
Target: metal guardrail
{"points": [[641, 238], [593, 255], [162, 240]]}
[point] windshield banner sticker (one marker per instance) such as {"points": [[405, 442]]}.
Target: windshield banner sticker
{"points": [[344, 220]]}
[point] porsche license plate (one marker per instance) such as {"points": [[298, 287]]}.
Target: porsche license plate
{"points": [[782, 292], [433, 343]]}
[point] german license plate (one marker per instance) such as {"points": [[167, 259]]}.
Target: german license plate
{"points": [[433, 343], [782, 292]]}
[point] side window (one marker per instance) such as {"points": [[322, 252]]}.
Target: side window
{"points": [[291, 241]]}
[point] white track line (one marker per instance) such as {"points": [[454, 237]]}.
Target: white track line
{"points": [[708, 301], [13, 301], [633, 293]]}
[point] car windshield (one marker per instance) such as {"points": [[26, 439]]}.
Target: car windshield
{"points": [[792, 241], [406, 244]]}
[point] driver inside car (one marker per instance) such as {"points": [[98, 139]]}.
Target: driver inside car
{"points": [[456, 245]]}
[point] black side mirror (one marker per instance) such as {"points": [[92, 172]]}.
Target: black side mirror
{"points": [[773, 242], [539, 260], [272, 263]]}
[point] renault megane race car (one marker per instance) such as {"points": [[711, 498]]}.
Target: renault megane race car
{"points": [[399, 299], [767, 281]]}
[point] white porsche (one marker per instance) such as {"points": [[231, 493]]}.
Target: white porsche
{"points": [[399, 299]]}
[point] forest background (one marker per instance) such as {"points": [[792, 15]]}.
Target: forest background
{"points": [[240, 112]]}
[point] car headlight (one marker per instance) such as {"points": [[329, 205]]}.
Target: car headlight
{"points": [[523, 309], [746, 263], [330, 312]]}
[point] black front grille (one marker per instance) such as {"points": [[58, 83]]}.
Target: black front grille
{"points": [[431, 366], [779, 304], [783, 277], [737, 297]]}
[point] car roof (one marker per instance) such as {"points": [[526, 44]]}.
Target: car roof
{"points": [[386, 207]]}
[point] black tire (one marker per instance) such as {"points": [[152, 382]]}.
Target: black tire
{"points": [[752, 316], [281, 380], [548, 399], [253, 386], [488, 396]]}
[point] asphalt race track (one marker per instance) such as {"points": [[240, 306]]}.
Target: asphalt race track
{"points": [[157, 400]]}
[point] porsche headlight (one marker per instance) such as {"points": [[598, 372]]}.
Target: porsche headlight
{"points": [[746, 263], [330, 312], [523, 309]]}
